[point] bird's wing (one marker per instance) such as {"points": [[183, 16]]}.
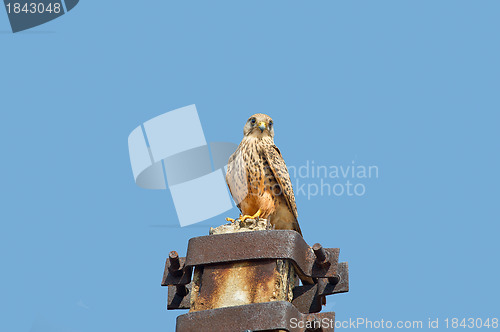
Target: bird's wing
{"points": [[236, 178], [278, 167]]}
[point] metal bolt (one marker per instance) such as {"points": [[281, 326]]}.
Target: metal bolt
{"points": [[321, 254], [175, 265]]}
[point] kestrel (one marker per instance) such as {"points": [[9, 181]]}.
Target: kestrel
{"points": [[258, 178]]}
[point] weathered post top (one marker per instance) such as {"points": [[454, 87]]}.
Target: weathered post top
{"points": [[247, 277]]}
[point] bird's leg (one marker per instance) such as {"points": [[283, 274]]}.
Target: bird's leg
{"points": [[255, 216], [230, 219]]}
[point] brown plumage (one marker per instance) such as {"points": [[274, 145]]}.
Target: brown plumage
{"points": [[258, 178]]}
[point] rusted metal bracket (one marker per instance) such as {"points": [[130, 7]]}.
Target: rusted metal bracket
{"points": [[179, 297], [318, 267], [268, 316], [309, 298], [272, 244], [176, 272], [315, 262]]}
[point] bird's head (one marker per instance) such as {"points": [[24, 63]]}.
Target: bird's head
{"points": [[260, 126]]}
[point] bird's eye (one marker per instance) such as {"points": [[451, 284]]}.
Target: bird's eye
{"points": [[270, 124], [253, 120]]}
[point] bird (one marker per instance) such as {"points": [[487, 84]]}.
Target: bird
{"points": [[258, 178]]}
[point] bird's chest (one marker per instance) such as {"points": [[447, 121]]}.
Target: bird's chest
{"points": [[259, 175]]}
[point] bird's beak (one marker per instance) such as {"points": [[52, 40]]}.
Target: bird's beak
{"points": [[262, 126]]}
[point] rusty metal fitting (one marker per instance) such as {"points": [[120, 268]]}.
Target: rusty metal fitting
{"points": [[260, 245], [176, 272], [321, 254], [268, 316], [179, 298], [175, 264], [317, 267], [309, 298]]}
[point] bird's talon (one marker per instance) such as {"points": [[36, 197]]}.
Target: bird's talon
{"points": [[255, 216], [230, 219]]}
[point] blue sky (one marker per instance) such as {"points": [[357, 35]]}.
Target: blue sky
{"points": [[409, 86]]}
